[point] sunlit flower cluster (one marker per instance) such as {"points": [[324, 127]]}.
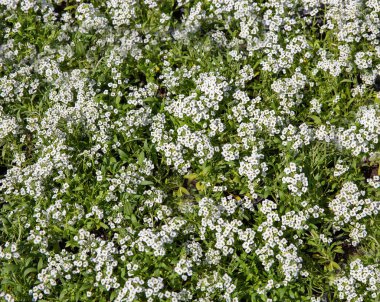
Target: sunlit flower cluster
{"points": [[223, 150]]}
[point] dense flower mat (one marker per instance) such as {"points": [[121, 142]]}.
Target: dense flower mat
{"points": [[187, 150]]}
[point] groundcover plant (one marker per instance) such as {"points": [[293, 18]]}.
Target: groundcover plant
{"points": [[189, 150]]}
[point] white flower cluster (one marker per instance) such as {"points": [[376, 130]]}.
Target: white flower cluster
{"points": [[277, 247], [361, 138], [297, 183], [196, 141], [253, 167], [374, 181], [246, 74], [363, 60], [105, 106], [90, 19], [289, 90], [349, 208], [280, 58], [128, 179], [9, 251], [7, 297], [332, 65], [230, 152], [217, 283], [340, 169], [360, 276], [122, 12], [202, 105], [325, 239], [216, 127], [183, 268], [315, 106], [296, 137], [53, 158], [8, 125]]}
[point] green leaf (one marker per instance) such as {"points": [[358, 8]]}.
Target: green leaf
{"points": [[77, 295], [134, 220], [281, 195], [62, 294], [9, 267], [191, 176], [338, 250], [80, 48], [113, 295], [40, 264], [57, 229], [345, 81], [282, 291], [78, 188], [141, 158], [333, 265], [146, 183], [146, 146], [184, 190], [199, 186], [316, 119], [103, 225], [122, 155], [70, 7], [29, 270]]}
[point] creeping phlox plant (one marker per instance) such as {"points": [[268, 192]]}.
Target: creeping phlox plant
{"points": [[190, 150]]}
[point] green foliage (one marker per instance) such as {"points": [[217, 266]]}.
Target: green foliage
{"points": [[155, 141]]}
